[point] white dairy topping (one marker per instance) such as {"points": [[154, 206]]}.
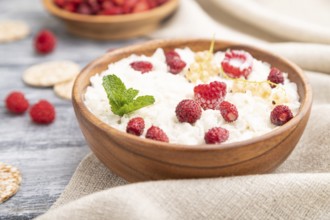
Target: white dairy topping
{"points": [[168, 90]]}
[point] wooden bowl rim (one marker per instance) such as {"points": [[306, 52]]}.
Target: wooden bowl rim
{"points": [[77, 98], [160, 11]]}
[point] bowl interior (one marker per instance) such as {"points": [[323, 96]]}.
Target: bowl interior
{"points": [[157, 12], [295, 74]]}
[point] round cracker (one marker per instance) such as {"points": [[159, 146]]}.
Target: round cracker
{"points": [[10, 180], [13, 30], [64, 89], [50, 73]]}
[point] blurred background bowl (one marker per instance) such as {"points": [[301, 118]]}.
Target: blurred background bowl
{"points": [[112, 27], [137, 159]]}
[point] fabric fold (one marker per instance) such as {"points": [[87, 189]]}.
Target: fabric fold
{"points": [[281, 196]]}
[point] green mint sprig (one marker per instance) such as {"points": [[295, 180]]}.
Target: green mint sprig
{"points": [[122, 100]]}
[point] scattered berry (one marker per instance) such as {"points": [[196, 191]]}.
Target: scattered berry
{"points": [[209, 96], [17, 103], [135, 126], [275, 76], [142, 66], [44, 42], [237, 63], [280, 115], [216, 135], [174, 62], [42, 112], [188, 111], [228, 111], [156, 133]]}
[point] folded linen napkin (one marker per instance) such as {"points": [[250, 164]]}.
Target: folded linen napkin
{"points": [[298, 189]]}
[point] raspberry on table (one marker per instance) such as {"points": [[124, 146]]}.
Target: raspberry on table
{"points": [[142, 66], [188, 111], [174, 62], [280, 115], [216, 135], [156, 133], [44, 42], [228, 111], [135, 126], [275, 76], [209, 96], [16, 102], [237, 63], [42, 112]]}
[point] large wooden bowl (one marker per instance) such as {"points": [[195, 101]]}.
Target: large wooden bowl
{"points": [[114, 27], [137, 159]]}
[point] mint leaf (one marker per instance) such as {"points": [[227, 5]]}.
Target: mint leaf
{"points": [[139, 102], [121, 99]]}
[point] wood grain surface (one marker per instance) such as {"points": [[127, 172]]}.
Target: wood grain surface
{"points": [[46, 155]]}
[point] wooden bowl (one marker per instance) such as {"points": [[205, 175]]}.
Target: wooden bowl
{"points": [[114, 27], [137, 159]]}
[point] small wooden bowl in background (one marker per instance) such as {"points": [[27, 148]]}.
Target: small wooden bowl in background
{"points": [[112, 27], [138, 159]]}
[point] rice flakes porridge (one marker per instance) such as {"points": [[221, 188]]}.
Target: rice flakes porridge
{"points": [[253, 97]]}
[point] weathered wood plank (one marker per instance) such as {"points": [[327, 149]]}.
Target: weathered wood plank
{"points": [[46, 155]]}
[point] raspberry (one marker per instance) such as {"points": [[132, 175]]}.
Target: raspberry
{"points": [[135, 126], [174, 62], [142, 66], [60, 3], [141, 6], [84, 9], [228, 111], [45, 42], [156, 133], [188, 111], [70, 6], [209, 96], [237, 63], [16, 103], [42, 112], [275, 76], [216, 135], [280, 115]]}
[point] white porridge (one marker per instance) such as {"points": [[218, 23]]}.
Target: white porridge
{"points": [[253, 105]]}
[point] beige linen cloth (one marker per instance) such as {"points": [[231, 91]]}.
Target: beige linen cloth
{"points": [[298, 189]]}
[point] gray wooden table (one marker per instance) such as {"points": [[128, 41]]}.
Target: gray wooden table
{"points": [[46, 155]]}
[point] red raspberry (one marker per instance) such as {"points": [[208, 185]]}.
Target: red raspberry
{"points": [[209, 96], [142, 66], [42, 112], [141, 6], [174, 62], [119, 2], [275, 76], [280, 115], [70, 7], [237, 63], [113, 11], [228, 111], [129, 5], [156, 133], [16, 103], [45, 42], [216, 135], [60, 3], [84, 9], [188, 111], [135, 126]]}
